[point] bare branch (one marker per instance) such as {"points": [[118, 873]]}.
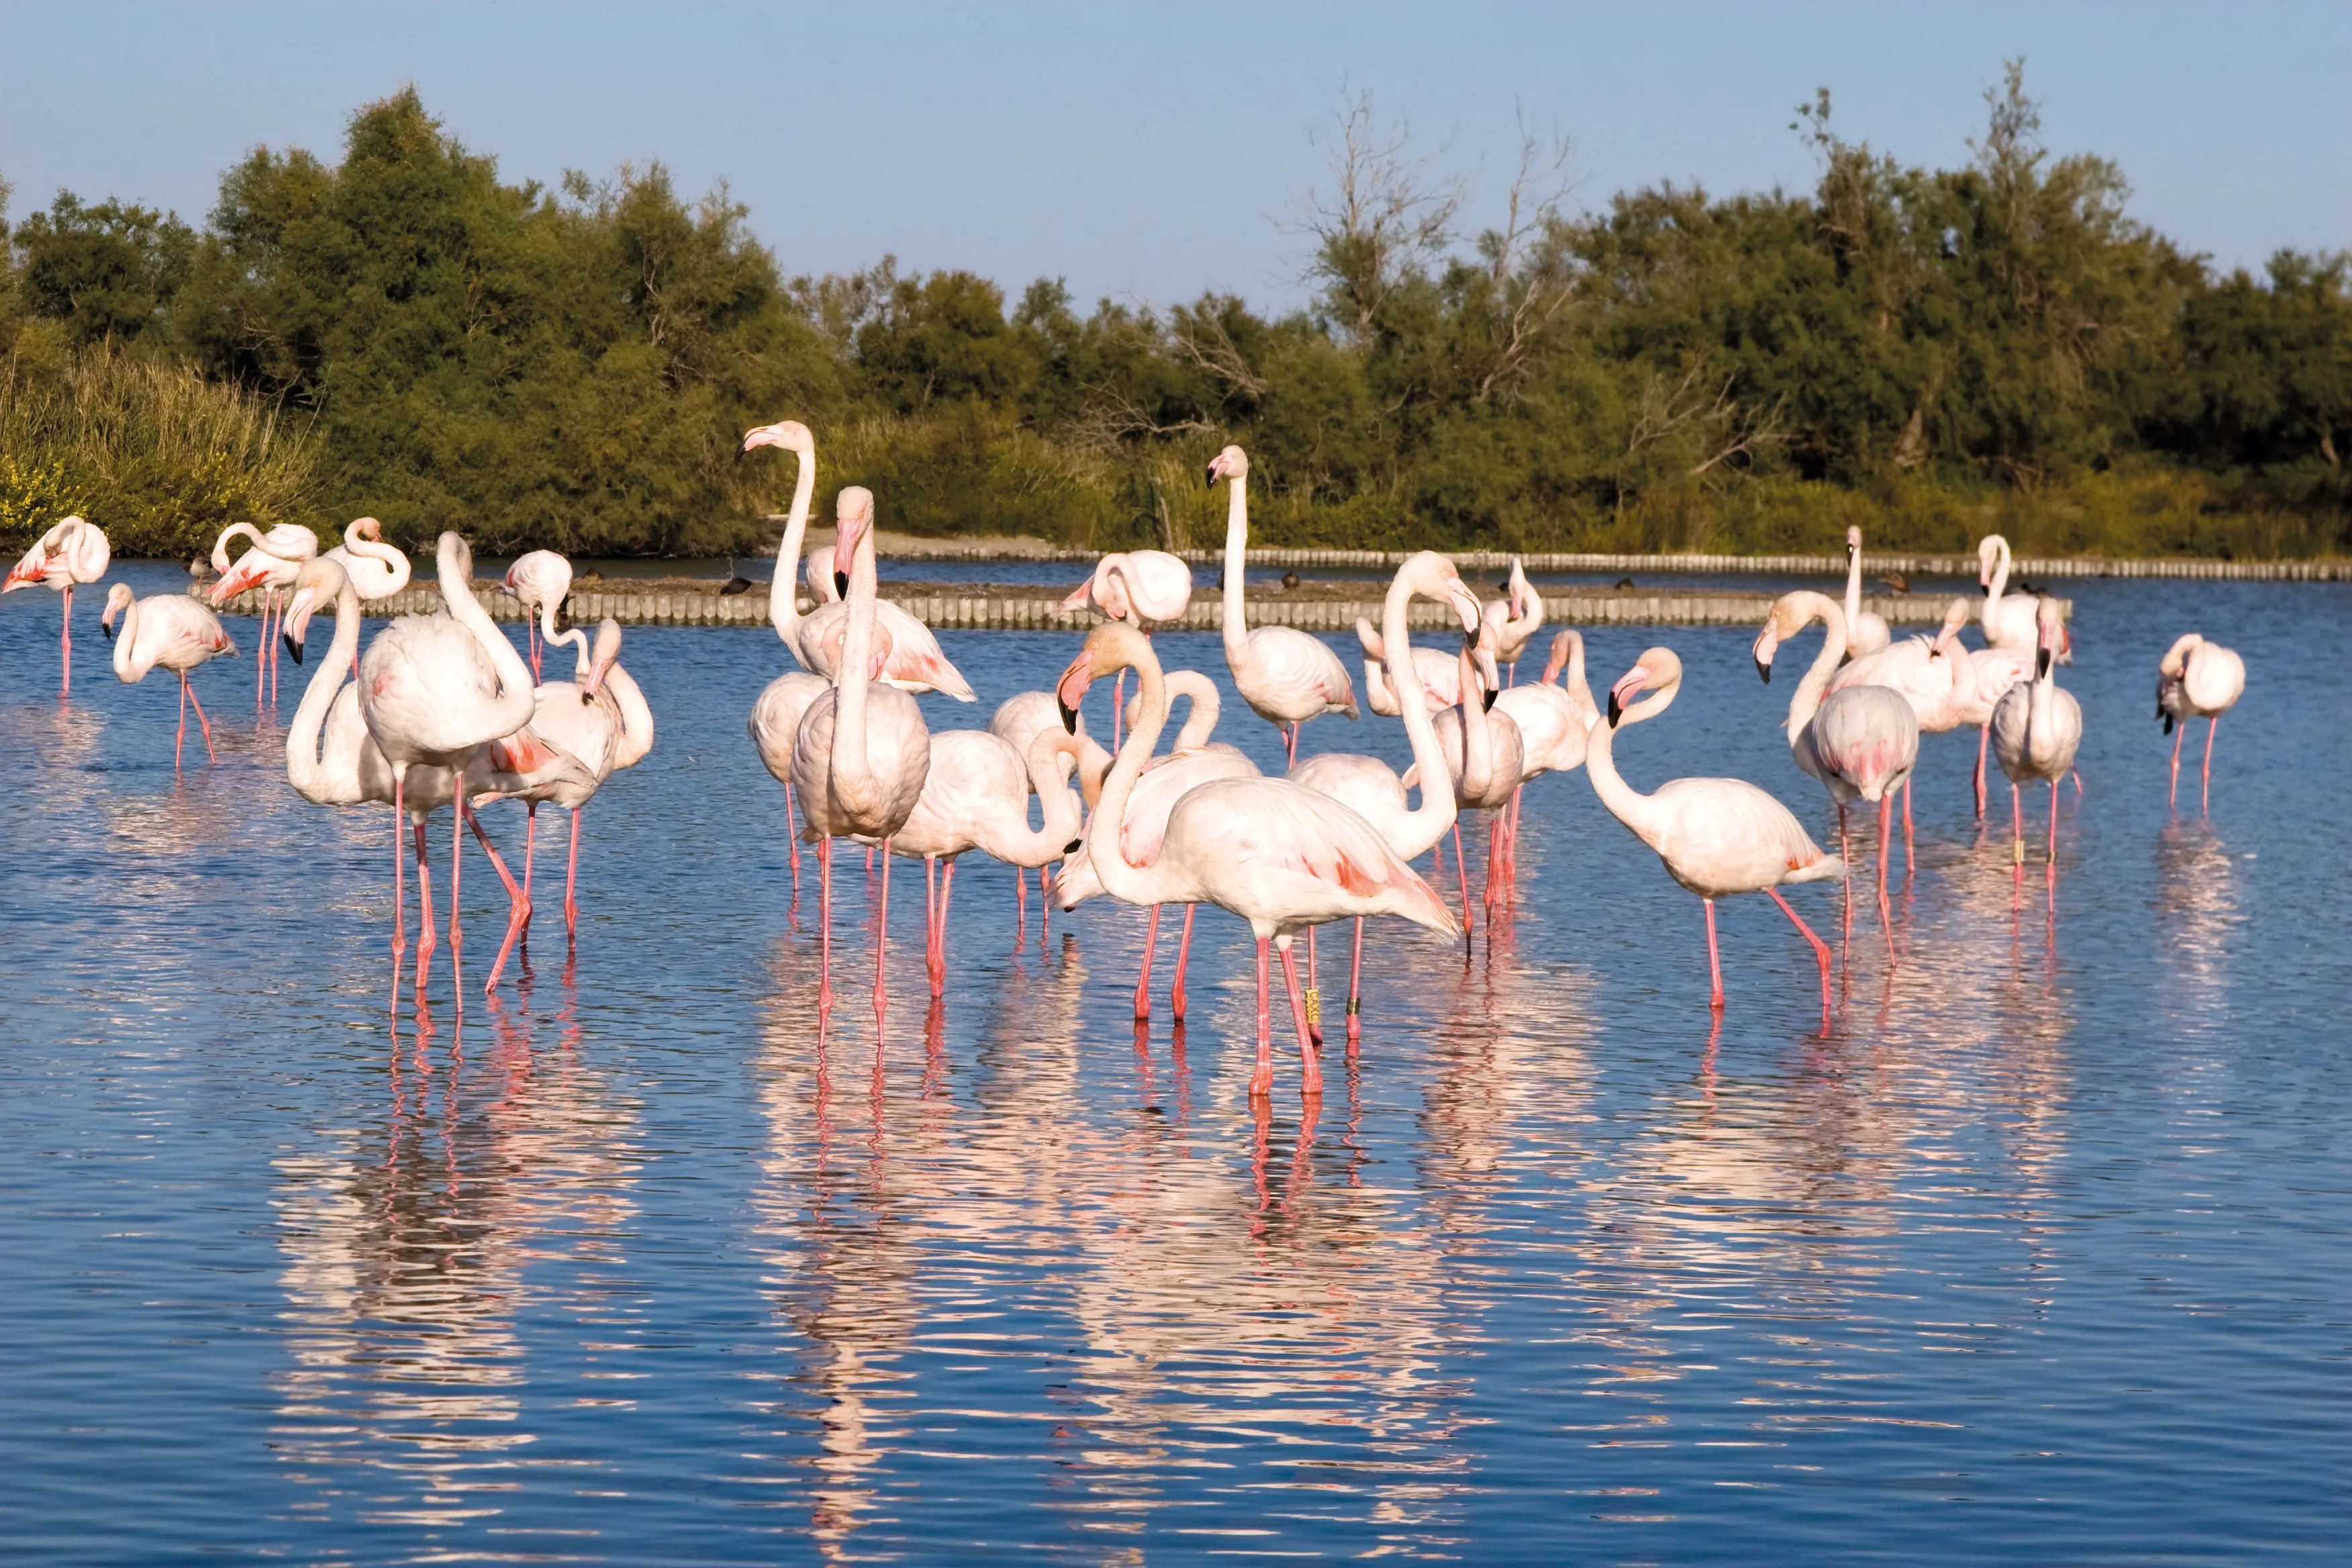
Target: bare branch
{"points": [[1384, 216]]}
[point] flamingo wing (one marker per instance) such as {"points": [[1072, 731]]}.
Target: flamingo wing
{"points": [[1299, 672], [1286, 854]]}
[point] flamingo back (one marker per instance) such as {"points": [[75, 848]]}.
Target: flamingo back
{"points": [[1720, 836], [1866, 737], [1292, 675], [1284, 858]]}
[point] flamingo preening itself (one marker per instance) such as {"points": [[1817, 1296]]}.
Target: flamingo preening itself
{"points": [[1017, 721], [270, 565], [1146, 587], [1280, 856], [172, 630], [1285, 676], [542, 580], [73, 550], [2197, 679], [1714, 836]]}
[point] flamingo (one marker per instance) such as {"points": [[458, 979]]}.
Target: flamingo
{"points": [[541, 579], [1149, 587], [1438, 673], [1992, 671], [270, 565], [1017, 721], [1369, 786], [436, 690], [1861, 742], [976, 796], [1865, 630], [1936, 674], [824, 579], [1517, 617], [862, 752], [1714, 836], [774, 722], [2009, 622], [377, 570], [1553, 721], [172, 630], [1281, 857], [2036, 728], [1285, 676], [73, 550], [1484, 755], [916, 662], [1192, 760], [2197, 679], [332, 760]]}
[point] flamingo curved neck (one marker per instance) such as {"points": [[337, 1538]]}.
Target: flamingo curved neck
{"points": [[1200, 719], [220, 546], [1806, 701], [124, 664], [854, 779], [1047, 750], [304, 770], [783, 590], [511, 709], [1997, 587], [1637, 811], [1854, 587], [1126, 883], [636, 718], [1236, 629], [1478, 734], [1437, 809]]}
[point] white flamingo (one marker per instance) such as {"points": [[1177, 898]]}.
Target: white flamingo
{"points": [[1281, 857], [2008, 621], [1439, 673], [1714, 836], [2197, 679], [1285, 676], [824, 578], [1017, 721], [270, 565], [74, 550], [1487, 758], [2036, 729], [377, 570], [542, 580], [1149, 588], [172, 630], [1517, 617], [1936, 674]]}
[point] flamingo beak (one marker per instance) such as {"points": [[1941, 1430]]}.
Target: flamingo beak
{"points": [[106, 625], [1074, 846], [841, 583], [1212, 471], [1071, 689], [1633, 681], [1465, 604], [2040, 662], [293, 646]]}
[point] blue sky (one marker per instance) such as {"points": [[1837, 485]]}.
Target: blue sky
{"points": [[1146, 152]]}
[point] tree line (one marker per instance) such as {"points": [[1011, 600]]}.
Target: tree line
{"points": [[1927, 352]]}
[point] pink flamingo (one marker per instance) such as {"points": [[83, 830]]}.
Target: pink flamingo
{"points": [[73, 550], [1992, 670], [1936, 674], [2197, 679], [172, 630], [1438, 673], [976, 796], [2009, 622], [1715, 836], [377, 570], [1285, 676], [916, 662], [1367, 786], [1552, 721], [862, 752], [436, 691], [1191, 761], [824, 579], [1865, 630], [1861, 742], [269, 566], [1517, 617], [1486, 757], [1017, 721], [581, 733], [2036, 729], [542, 580], [1281, 857], [1147, 587], [774, 724]]}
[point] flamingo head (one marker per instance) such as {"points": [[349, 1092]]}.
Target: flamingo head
{"points": [[1956, 615], [606, 654], [320, 581], [1658, 670], [1767, 643], [2049, 635], [1373, 647], [1564, 646], [118, 599], [1853, 542], [1433, 577], [366, 528], [1233, 463], [2175, 663], [1070, 690], [853, 517], [1478, 655], [1989, 550], [789, 433]]}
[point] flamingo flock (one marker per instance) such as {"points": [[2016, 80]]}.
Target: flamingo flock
{"points": [[441, 711]]}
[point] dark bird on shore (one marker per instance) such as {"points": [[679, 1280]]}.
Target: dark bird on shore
{"points": [[1895, 582], [736, 582], [2025, 587], [1625, 581], [1290, 579], [200, 568]]}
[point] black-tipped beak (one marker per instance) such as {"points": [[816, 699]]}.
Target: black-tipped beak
{"points": [[1074, 846], [107, 628], [841, 583], [293, 648], [1212, 474], [587, 698], [1765, 672], [2168, 719], [2040, 662], [1486, 699], [1615, 708], [1069, 716]]}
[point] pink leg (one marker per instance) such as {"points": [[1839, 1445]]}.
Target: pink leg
{"points": [[931, 921], [2205, 794], [793, 838], [881, 934], [261, 654], [2054, 828], [1885, 833], [1984, 738], [1462, 876], [2016, 826], [65, 644], [1044, 906], [529, 845], [1290, 741], [1261, 1082], [825, 926], [1314, 985], [518, 900], [1846, 853], [1311, 1070], [270, 647], [1021, 905], [2179, 733], [1909, 863], [947, 893], [1184, 957], [456, 882], [425, 941], [207, 724], [1143, 982], [1356, 990], [399, 877], [531, 637], [1714, 961], [182, 739], [1821, 950], [571, 876]]}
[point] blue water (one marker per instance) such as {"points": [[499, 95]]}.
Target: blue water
{"points": [[2039, 1253]]}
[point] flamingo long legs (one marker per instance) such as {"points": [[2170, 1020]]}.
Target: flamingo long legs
{"points": [[1714, 961], [1184, 956], [457, 876], [399, 879], [517, 899], [1886, 831], [793, 838], [1143, 982], [1356, 990], [2054, 828], [1462, 876], [261, 660], [188, 695], [882, 938], [1261, 1083], [571, 879], [1821, 950], [529, 842], [825, 927], [2016, 826], [1984, 738], [1044, 905], [425, 941], [2181, 734], [2205, 794], [1909, 862], [65, 644], [1021, 905], [1311, 1070]]}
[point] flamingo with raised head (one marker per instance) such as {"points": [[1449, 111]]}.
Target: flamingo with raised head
{"points": [[1517, 617], [2009, 621], [2036, 729], [74, 550], [377, 570], [172, 630], [1859, 742], [1282, 856], [1192, 759], [542, 580], [1150, 588], [1017, 721], [1285, 676], [270, 565], [2197, 679], [1714, 836], [976, 796], [1865, 630], [436, 691], [916, 662], [862, 752], [1369, 786]]}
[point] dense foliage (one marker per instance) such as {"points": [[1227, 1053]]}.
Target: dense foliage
{"points": [[1928, 351]]}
